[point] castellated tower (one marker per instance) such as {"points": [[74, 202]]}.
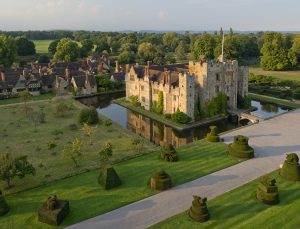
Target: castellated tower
{"points": [[187, 94]]}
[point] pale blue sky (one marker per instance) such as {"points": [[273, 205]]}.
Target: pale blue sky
{"points": [[113, 15]]}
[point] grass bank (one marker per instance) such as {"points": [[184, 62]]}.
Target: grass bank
{"points": [[20, 136], [269, 99], [240, 209], [283, 75], [88, 199], [45, 96]]}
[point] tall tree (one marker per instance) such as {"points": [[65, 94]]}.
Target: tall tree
{"points": [[86, 47], [170, 40], [146, 52], [294, 52], [274, 52], [25, 47], [180, 51], [52, 47], [8, 51], [67, 50], [204, 46]]}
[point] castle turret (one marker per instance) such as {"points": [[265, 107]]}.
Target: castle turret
{"points": [[187, 94]]}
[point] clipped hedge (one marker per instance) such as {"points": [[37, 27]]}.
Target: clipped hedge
{"points": [[4, 208], [169, 153], [212, 136], [267, 191], [89, 116], [109, 178], [198, 211], [160, 181], [291, 169], [240, 147], [180, 117], [53, 211]]}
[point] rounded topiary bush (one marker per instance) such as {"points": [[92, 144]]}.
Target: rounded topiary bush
{"points": [[4, 208], [109, 178], [267, 191], [160, 181], [212, 136], [89, 116], [169, 153], [240, 147], [291, 169], [198, 211]]}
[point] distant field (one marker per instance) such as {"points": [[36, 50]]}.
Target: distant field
{"points": [[41, 46], [284, 75]]}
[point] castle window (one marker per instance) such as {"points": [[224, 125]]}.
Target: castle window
{"points": [[217, 76], [142, 88], [217, 89], [143, 99]]}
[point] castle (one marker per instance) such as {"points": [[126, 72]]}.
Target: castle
{"points": [[182, 84]]}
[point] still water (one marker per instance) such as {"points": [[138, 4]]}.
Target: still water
{"points": [[161, 134]]}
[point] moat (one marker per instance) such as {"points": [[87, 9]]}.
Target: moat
{"points": [[159, 133]]}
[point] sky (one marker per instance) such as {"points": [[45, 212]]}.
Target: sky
{"points": [[170, 15]]}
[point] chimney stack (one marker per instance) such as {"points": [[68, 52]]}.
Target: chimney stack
{"points": [[2, 74], [117, 66], [127, 68]]}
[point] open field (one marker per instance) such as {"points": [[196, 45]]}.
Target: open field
{"points": [[87, 199], [19, 136], [32, 98], [41, 46], [283, 75], [269, 99], [240, 209]]}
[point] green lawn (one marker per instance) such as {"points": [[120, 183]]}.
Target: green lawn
{"points": [[88, 199], [41, 46], [282, 102], [45, 96], [240, 209], [283, 75], [19, 136]]}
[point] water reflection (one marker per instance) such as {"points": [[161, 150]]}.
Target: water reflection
{"points": [[267, 110]]}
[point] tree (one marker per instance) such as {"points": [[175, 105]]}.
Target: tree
{"points": [[25, 47], [43, 59], [86, 47], [89, 131], [73, 151], [274, 52], [101, 45], [14, 167], [126, 57], [8, 51], [180, 51], [106, 153], [160, 103], [25, 96], [53, 46], [294, 52], [170, 40], [146, 52], [67, 50], [204, 46]]}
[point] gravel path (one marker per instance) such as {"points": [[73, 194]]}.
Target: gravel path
{"points": [[271, 139]]}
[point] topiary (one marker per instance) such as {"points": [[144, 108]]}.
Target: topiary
{"points": [[53, 211], [160, 181], [267, 191], [291, 169], [4, 208], [169, 153], [198, 211], [240, 147], [89, 116], [109, 178], [212, 136]]}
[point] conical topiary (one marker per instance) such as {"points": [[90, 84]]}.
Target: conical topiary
{"points": [[212, 136], [198, 211], [109, 178], [4, 208], [169, 153], [160, 181], [267, 191], [240, 147], [291, 169]]}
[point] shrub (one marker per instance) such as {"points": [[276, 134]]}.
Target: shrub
{"points": [[4, 208], [109, 178], [168, 116], [169, 153], [107, 122], [212, 136], [243, 102], [180, 117], [216, 106], [160, 181], [198, 211], [89, 116], [291, 169], [240, 147], [134, 100], [61, 109], [267, 191], [53, 211]]}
